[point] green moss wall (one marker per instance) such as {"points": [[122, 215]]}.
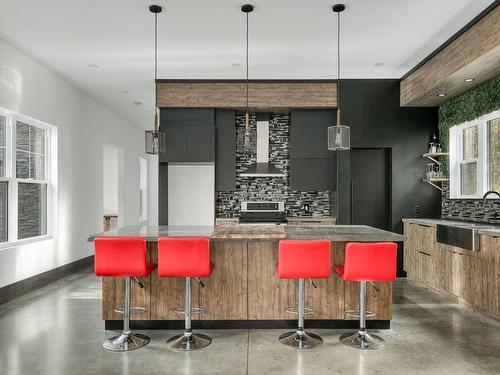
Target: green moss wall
{"points": [[468, 106]]}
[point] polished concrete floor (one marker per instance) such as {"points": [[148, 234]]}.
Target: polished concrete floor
{"points": [[57, 330]]}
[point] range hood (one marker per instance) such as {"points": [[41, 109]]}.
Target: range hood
{"points": [[262, 168]]}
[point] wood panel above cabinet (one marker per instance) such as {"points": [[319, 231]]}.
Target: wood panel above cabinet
{"points": [[474, 54], [232, 94]]}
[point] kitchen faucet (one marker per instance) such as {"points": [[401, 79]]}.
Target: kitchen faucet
{"points": [[489, 193]]}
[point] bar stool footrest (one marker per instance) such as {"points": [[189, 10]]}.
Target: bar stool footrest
{"points": [[294, 310], [355, 313], [133, 310], [194, 310]]}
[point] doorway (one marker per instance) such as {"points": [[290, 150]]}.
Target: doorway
{"points": [[371, 187], [112, 192]]}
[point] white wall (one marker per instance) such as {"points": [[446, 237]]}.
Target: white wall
{"points": [[84, 126]]}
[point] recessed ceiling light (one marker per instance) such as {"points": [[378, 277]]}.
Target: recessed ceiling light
{"points": [[235, 65], [469, 79], [442, 94], [93, 66], [137, 103]]}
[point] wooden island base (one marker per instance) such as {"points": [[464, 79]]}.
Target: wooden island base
{"points": [[244, 291]]}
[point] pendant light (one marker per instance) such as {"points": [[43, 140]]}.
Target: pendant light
{"points": [[247, 144], [339, 137], [152, 136]]}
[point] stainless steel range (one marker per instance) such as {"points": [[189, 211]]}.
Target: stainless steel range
{"points": [[262, 212]]}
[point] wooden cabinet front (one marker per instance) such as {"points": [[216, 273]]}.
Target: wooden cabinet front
{"points": [[244, 286], [472, 276]]}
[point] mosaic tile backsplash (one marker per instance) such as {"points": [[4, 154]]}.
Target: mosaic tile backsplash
{"points": [[469, 210], [321, 203]]}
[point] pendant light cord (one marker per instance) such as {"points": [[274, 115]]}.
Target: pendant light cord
{"points": [[155, 72], [247, 61], [338, 68]]}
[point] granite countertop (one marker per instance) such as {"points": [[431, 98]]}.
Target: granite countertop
{"points": [[153, 232], [488, 230], [249, 231], [340, 233], [311, 220]]}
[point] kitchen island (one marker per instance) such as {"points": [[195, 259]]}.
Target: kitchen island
{"points": [[244, 289]]}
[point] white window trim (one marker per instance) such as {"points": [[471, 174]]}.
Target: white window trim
{"points": [[456, 148], [10, 175]]}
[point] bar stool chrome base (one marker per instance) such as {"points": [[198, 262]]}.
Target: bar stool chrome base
{"points": [[188, 342], [126, 342], [362, 340], [301, 340]]}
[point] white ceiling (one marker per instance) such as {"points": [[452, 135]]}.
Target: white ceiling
{"points": [[289, 39]]}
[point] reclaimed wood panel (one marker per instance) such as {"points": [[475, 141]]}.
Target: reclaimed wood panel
{"points": [[233, 95], [167, 293], [475, 53], [328, 299], [408, 248], [225, 293], [268, 295], [490, 259], [380, 302]]}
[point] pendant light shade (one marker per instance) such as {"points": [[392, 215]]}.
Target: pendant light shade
{"points": [[152, 141], [339, 136]]}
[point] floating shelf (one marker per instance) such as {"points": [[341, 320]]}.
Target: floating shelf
{"points": [[435, 181], [433, 155]]}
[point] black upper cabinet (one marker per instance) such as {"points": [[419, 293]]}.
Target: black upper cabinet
{"points": [[308, 133], [189, 135], [312, 174], [176, 140], [225, 155], [312, 165]]}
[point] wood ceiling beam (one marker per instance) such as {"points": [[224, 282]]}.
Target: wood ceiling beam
{"points": [[261, 94], [474, 54]]}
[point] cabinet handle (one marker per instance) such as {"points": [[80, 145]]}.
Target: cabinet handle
{"points": [[423, 253]]}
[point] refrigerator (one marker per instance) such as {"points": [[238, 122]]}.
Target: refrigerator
{"points": [[191, 193]]}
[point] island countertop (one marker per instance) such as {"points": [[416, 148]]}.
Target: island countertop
{"points": [[338, 233]]}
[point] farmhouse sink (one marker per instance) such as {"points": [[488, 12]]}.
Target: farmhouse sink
{"points": [[463, 235]]}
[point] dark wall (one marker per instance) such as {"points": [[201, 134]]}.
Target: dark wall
{"points": [[371, 108]]}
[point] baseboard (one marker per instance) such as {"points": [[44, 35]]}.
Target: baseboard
{"points": [[19, 288], [115, 325]]}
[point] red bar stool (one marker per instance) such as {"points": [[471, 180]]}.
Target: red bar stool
{"points": [[303, 260], [185, 257], [123, 257], [367, 262]]}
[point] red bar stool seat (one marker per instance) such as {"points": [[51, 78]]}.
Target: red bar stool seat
{"points": [[123, 257], [186, 257], [372, 262], [303, 260]]}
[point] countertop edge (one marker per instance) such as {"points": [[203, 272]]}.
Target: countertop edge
{"points": [[489, 232]]}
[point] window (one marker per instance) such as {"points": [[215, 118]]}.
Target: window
{"points": [[25, 177], [494, 153], [475, 157]]}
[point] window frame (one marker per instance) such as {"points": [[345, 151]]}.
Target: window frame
{"points": [[12, 118], [457, 158]]}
